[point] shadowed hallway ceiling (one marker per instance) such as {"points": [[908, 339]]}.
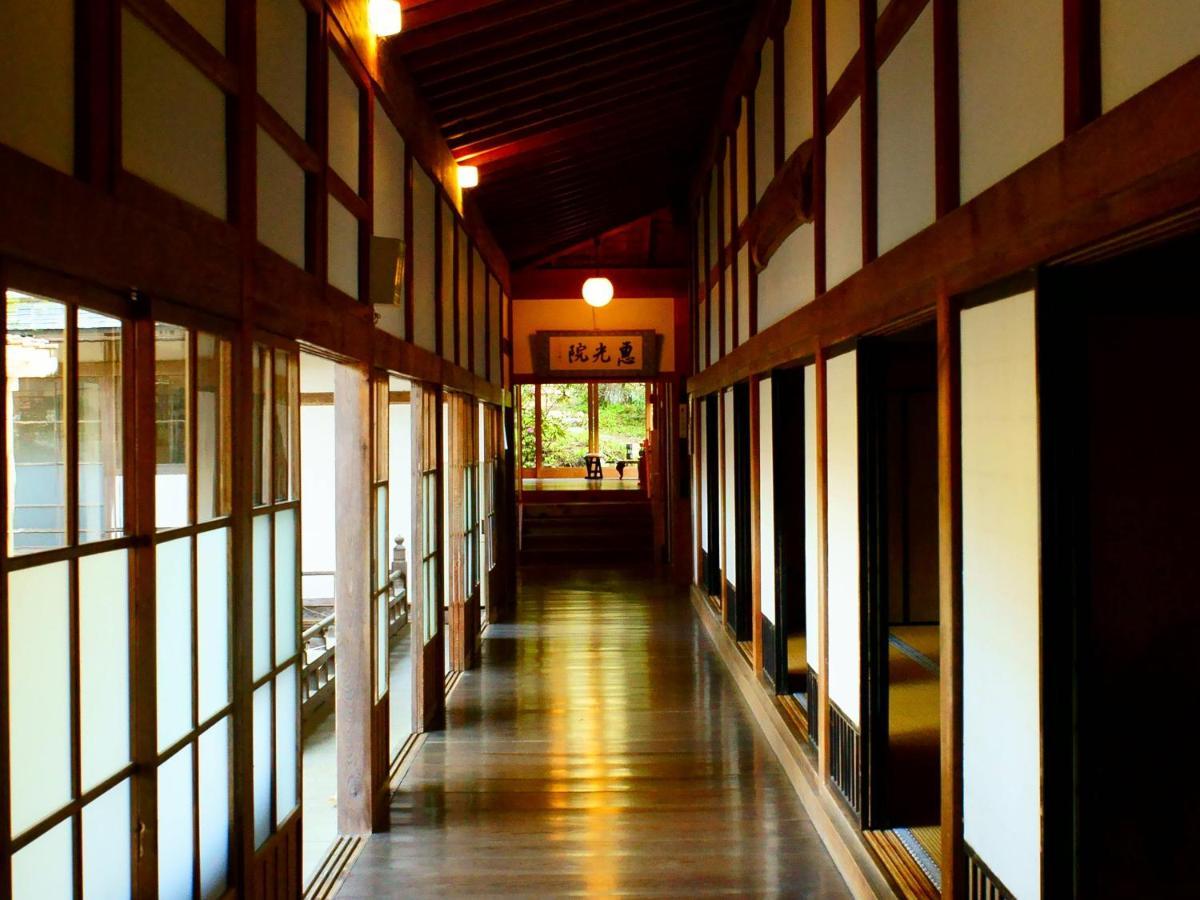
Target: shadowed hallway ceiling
{"points": [[581, 115]]}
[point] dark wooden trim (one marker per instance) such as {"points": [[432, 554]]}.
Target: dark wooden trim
{"points": [[170, 25], [1081, 63], [347, 197], [786, 204], [945, 105], [286, 137], [951, 597], [1047, 208]]}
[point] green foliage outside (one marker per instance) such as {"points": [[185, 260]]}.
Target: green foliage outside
{"points": [[621, 413]]}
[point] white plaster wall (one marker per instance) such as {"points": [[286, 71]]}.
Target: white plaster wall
{"points": [[424, 317], [479, 311], [713, 253], [171, 112], [464, 309], [37, 80], [728, 312], [494, 326], [766, 500], [714, 309], [280, 201], [1001, 566], [206, 16], [764, 121], [744, 162], [448, 276], [702, 317], [1143, 40], [906, 151], [797, 73], [1010, 82], [812, 617], [728, 507], [845, 639], [843, 198], [744, 277], [343, 248], [343, 122], [731, 214], [787, 283], [841, 37], [282, 53], [388, 184]]}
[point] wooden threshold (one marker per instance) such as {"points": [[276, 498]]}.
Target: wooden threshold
{"points": [[336, 866], [911, 880]]}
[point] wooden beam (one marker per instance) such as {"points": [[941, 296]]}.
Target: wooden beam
{"points": [[1129, 167], [786, 204]]}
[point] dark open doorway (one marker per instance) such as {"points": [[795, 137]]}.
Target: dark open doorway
{"points": [[712, 463], [1121, 620], [898, 439], [741, 597]]}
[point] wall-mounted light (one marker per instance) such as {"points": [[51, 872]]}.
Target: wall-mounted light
{"points": [[468, 177], [597, 292], [384, 17]]}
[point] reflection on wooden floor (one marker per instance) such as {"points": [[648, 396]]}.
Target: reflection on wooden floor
{"points": [[628, 483], [601, 749]]}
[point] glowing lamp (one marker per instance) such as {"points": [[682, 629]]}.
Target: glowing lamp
{"points": [[468, 176], [597, 292], [384, 17]]}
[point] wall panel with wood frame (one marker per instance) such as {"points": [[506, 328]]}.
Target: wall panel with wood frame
{"points": [[1143, 40], [37, 80], [425, 206]]}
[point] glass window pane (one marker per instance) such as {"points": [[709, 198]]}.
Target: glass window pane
{"points": [[261, 379], [171, 425], [528, 425], [564, 425], [285, 392], [39, 693], [101, 481], [286, 618], [214, 422], [104, 665], [175, 835], [287, 724], [381, 644], [212, 621], [382, 538], [214, 809], [621, 413], [262, 595], [36, 360], [173, 626], [263, 763], [44, 870], [106, 845]]}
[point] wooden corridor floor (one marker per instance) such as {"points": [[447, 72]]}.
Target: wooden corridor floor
{"points": [[600, 750]]}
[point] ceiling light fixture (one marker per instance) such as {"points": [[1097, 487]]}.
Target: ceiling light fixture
{"points": [[384, 17], [468, 177], [597, 290]]}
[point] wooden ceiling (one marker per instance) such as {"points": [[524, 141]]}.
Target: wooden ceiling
{"points": [[582, 115]]}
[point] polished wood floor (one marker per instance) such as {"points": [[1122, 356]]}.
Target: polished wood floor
{"points": [[601, 749]]}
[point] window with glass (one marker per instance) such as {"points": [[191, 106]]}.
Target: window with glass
{"points": [[193, 373], [431, 589], [562, 423], [275, 594], [65, 617], [381, 561]]}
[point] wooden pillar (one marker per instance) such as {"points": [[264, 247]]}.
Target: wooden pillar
{"points": [[950, 603], [352, 598]]}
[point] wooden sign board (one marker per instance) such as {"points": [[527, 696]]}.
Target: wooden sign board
{"points": [[633, 353]]}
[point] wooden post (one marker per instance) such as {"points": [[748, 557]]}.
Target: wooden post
{"points": [[353, 692], [950, 589]]}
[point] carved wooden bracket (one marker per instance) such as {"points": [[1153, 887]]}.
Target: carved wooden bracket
{"points": [[786, 204]]}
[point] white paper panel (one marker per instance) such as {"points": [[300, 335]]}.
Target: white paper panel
{"points": [[728, 506], [1010, 82], [844, 567], [287, 724], [282, 66], [103, 665], [264, 762], [1001, 591], [843, 198], [212, 620], [1141, 41], [39, 711], [812, 612], [841, 37], [344, 98], [261, 589], [424, 209], [798, 76], [106, 855], [37, 80], [286, 602], [788, 281], [766, 500], [906, 155], [389, 177], [44, 870], [343, 249], [171, 112], [175, 834], [173, 626], [280, 201], [214, 809]]}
